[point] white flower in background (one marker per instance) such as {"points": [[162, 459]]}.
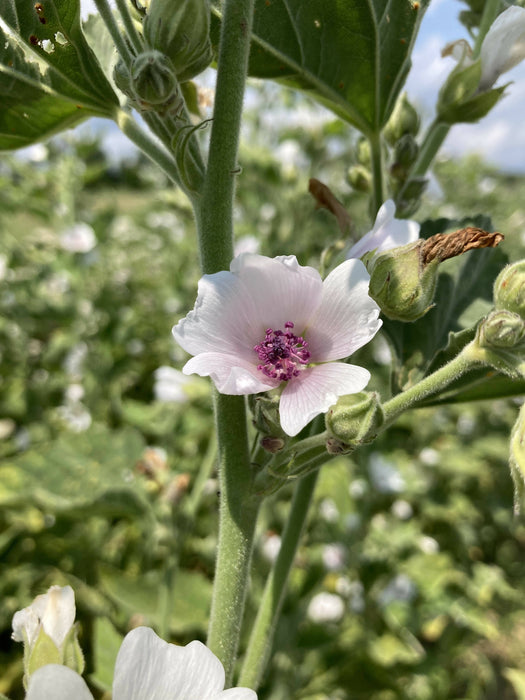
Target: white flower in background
{"points": [[503, 46], [246, 244], [326, 607], [169, 386], [54, 612], [402, 509], [328, 510], [271, 546], [334, 557], [79, 238], [271, 322], [3, 266], [388, 232], [428, 545], [384, 475], [401, 588], [147, 668]]}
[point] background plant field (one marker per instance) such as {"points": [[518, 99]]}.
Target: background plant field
{"points": [[415, 534]]}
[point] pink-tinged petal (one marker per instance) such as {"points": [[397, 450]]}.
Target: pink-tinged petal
{"points": [[230, 374], [222, 319], [238, 694], [148, 667], [315, 390], [388, 232], [503, 46], [59, 614], [280, 288], [347, 318], [54, 682]]}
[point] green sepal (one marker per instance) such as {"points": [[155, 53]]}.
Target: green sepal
{"points": [[72, 655], [509, 288], [355, 419], [44, 651]]}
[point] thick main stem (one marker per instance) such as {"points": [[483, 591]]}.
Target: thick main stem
{"points": [[263, 631], [239, 508]]}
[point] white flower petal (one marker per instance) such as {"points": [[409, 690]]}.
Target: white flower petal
{"points": [[503, 47], [59, 614], [222, 319], [315, 390], [281, 290], [26, 625], [230, 374], [238, 694], [148, 667], [347, 317], [388, 232], [54, 682]]}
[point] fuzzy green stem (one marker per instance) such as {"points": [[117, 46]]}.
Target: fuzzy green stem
{"points": [[216, 211], [129, 24], [491, 10], [270, 606], [239, 508], [468, 358], [148, 145], [376, 150], [108, 18], [238, 516]]}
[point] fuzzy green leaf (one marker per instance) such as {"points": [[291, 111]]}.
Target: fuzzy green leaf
{"points": [[351, 55], [49, 77]]}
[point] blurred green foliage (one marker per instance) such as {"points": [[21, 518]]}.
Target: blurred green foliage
{"points": [[113, 491]]}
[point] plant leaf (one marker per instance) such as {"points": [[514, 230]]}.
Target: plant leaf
{"points": [[351, 55], [50, 79]]}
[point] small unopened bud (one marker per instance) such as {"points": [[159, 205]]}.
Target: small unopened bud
{"points": [[403, 120], [337, 447], [355, 419], [509, 288], [401, 284], [181, 31], [153, 81], [359, 178], [405, 153], [272, 444], [265, 410], [501, 329], [363, 154]]}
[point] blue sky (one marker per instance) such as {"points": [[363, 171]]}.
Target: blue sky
{"points": [[500, 137]]}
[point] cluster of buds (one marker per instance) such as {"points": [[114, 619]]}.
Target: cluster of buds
{"points": [[501, 334]]}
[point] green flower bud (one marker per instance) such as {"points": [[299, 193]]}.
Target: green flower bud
{"points": [[400, 283], [403, 120], [153, 82], [405, 154], [359, 178], [122, 78], [501, 329], [509, 288], [412, 191], [180, 29], [272, 444], [265, 411], [354, 420], [363, 154]]}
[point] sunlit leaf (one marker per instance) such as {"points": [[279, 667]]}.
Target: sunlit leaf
{"points": [[351, 55], [50, 78]]}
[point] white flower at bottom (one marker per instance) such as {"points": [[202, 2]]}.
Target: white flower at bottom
{"points": [[388, 232], [270, 321], [53, 611], [147, 668]]}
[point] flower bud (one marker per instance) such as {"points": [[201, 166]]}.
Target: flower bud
{"points": [[181, 31], [359, 178], [509, 288], [403, 120], [400, 283], [48, 631], [363, 154], [501, 329], [411, 193], [405, 154], [272, 444], [153, 82], [265, 410], [354, 420]]}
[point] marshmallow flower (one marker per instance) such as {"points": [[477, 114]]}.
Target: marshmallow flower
{"points": [[54, 612], [503, 46], [271, 322], [388, 232], [146, 667]]}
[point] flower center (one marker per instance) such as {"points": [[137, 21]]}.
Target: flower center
{"points": [[281, 353]]}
